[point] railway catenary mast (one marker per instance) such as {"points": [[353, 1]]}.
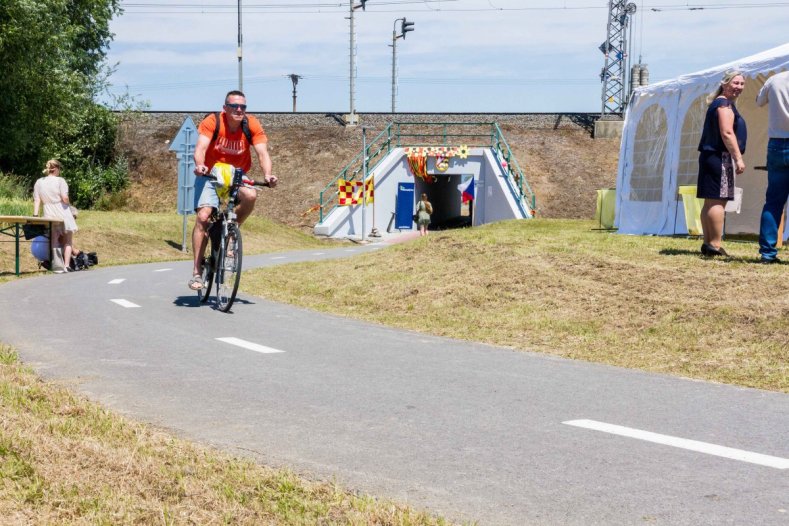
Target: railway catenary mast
{"points": [[614, 75]]}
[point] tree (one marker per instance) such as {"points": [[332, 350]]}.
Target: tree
{"points": [[53, 54]]}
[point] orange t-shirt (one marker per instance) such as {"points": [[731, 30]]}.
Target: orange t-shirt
{"points": [[231, 148]]}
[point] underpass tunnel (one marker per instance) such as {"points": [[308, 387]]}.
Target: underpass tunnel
{"points": [[443, 194], [398, 189]]}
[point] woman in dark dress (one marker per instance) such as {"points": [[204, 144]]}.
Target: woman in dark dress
{"points": [[720, 158]]}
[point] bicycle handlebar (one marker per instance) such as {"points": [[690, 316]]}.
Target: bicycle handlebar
{"points": [[245, 181]]}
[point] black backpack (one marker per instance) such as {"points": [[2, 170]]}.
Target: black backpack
{"points": [[33, 231], [84, 260], [244, 127]]}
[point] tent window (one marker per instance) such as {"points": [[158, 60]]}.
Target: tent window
{"points": [[688, 169], [649, 156]]}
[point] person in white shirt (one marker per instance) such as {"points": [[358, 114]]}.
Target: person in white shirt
{"points": [[775, 93], [52, 191]]}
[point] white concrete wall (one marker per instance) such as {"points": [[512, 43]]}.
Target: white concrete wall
{"points": [[495, 199]]}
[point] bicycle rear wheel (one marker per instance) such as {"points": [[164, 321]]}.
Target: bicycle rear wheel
{"points": [[228, 271], [212, 247], [208, 278]]}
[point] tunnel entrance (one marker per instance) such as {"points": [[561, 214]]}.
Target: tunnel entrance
{"points": [[449, 211]]}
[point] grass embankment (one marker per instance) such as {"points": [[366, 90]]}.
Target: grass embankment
{"points": [[65, 460], [560, 288]]}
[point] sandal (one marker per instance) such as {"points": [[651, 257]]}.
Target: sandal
{"points": [[196, 283]]}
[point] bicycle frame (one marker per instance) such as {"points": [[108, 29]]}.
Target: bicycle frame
{"points": [[222, 266]]}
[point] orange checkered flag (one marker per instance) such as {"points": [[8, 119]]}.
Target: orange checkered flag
{"points": [[349, 192]]}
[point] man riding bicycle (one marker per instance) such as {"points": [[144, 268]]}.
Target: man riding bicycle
{"points": [[226, 142]]}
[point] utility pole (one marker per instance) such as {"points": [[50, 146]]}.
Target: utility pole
{"points": [[405, 27], [295, 79], [616, 51], [239, 51], [352, 119]]}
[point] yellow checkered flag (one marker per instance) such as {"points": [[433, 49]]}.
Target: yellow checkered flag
{"points": [[348, 192], [369, 190]]}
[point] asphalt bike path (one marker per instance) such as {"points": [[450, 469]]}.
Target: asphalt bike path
{"points": [[471, 431]]}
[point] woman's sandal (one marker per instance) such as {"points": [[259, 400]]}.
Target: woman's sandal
{"points": [[196, 283]]}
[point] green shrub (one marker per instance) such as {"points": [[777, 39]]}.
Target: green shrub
{"points": [[89, 185]]}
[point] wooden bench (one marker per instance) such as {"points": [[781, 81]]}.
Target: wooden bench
{"points": [[12, 226]]}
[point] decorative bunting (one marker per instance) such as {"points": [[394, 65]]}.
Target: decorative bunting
{"points": [[311, 209], [417, 159]]}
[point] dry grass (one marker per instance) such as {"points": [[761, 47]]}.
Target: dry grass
{"points": [[65, 460], [563, 166], [558, 287]]}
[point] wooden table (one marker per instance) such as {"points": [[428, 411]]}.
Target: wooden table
{"points": [[12, 226]]}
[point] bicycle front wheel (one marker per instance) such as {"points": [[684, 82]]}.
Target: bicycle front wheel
{"points": [[228, 271]]}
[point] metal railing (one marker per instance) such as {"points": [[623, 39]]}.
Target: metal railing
{"points": [[513, 170], [375, 154], [414, 134]]}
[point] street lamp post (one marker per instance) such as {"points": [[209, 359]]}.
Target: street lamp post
{"points": [[351, 119], [239, 51], [295, 79], [394, 64], [405, 27]]}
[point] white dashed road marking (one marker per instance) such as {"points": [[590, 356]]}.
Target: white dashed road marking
{"points": [[125, 303], [249, 345], [116, 281], [279, 257], [318, 253], [163, 270], [684, 443]]}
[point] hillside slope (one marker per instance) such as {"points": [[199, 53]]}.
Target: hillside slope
{"points": [[563, 164]]}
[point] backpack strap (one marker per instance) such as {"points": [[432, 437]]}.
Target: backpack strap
{"points": [[218, 118], [244, 128]]}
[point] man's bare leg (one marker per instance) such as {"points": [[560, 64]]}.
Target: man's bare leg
{"points": [[246, 203], [199, 238]]}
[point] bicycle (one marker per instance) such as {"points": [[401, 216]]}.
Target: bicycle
{"points": [[222, 265]]}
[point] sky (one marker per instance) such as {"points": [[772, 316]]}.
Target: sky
{"points": [[463, 55]]}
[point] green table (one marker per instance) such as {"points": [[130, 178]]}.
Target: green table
{"points": [[12, 226]]}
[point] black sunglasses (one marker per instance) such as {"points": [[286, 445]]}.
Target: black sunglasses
{"points": [[242, 107]]}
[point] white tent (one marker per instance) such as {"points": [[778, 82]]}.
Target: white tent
{"points": [[659, 147]]}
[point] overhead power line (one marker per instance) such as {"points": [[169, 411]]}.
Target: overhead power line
{"points": [[444, 81], [290, 7], [335, 7], [716, 7]]}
